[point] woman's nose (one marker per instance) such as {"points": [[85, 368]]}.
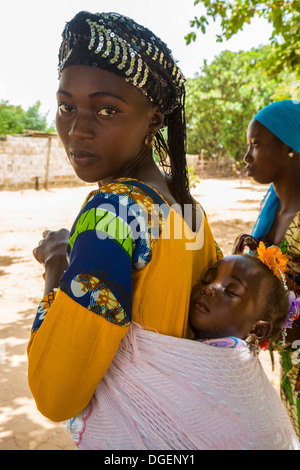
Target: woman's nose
{"points": [[81, 129], [247, 156]]}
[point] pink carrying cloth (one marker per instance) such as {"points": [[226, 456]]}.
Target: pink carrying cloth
{"points": [[162, 393]]}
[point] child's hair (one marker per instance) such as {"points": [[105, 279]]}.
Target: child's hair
{"points": [[273, 298], [118, 44]]}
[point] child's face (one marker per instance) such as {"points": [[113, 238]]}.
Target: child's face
{"points": [[225, 302]]}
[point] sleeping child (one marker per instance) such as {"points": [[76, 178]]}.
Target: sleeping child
{"points": [[241, 300]]}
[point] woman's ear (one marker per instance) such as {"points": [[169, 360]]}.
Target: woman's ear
{"points": [[261, 330], [156, 120]]}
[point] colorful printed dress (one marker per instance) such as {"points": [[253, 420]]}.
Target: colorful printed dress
{"points": [[132, 257], [290, 245]]}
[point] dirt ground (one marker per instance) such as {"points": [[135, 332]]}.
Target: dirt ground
{"points": [[231, 207]]}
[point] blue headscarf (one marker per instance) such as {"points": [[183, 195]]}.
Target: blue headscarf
{"points": [[282, 118]]}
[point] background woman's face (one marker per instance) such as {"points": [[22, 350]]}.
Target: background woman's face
{"points": [[266, 157], [102, 122]]}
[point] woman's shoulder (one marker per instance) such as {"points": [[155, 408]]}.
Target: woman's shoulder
{"points": [[128, 191], [124, 197], [123, 206]]}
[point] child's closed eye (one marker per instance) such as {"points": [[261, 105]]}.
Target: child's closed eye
{"points": [[231, 293]]}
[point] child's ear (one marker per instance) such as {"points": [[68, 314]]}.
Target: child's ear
{"points": [[261, 330]]}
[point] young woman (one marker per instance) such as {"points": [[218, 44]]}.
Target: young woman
{"points": [[273, 157], [133, 252]]}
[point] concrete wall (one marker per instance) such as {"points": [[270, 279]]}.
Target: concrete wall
{"points": [[39, 161], [27, 161]]}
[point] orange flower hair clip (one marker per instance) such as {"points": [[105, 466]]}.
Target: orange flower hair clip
{"points": [[274, 259]]}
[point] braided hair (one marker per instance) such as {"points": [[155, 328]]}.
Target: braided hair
{"points": [[119, 45]]}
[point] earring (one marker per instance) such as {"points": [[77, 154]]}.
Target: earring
{"points": [[149, 141], [284, 335], [291, 154], [253, 345]]}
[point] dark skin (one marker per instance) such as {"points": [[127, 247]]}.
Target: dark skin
{"points": [[225, 302], [102, 122], [268, 161]]}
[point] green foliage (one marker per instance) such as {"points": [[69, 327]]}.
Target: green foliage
{"points": [[226, 95], [13, 119], [33, 120], [284, 15], [193, 178]]}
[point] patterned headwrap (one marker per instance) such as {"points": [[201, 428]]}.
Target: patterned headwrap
{"points": [[118, 44], [282, 118]]}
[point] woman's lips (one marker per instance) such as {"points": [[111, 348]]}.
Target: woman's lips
{"points": [[83, 159]]}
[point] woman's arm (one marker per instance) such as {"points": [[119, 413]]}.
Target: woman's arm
{"points": [[67, 357], [77, 331]]}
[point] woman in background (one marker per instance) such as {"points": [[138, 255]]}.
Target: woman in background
{"points": [[273, 157]]}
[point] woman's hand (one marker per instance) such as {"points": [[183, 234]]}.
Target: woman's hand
{"points": [[51, 252]]}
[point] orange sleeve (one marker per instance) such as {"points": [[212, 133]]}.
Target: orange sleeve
{"points": [[66, 360]]}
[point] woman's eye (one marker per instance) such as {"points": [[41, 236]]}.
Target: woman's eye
{"points": [[252, 145], [107, 112], [64, 108]]}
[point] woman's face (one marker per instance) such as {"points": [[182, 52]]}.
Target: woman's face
{"points": [[102, 122], [267, 157], [224, 303]]}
